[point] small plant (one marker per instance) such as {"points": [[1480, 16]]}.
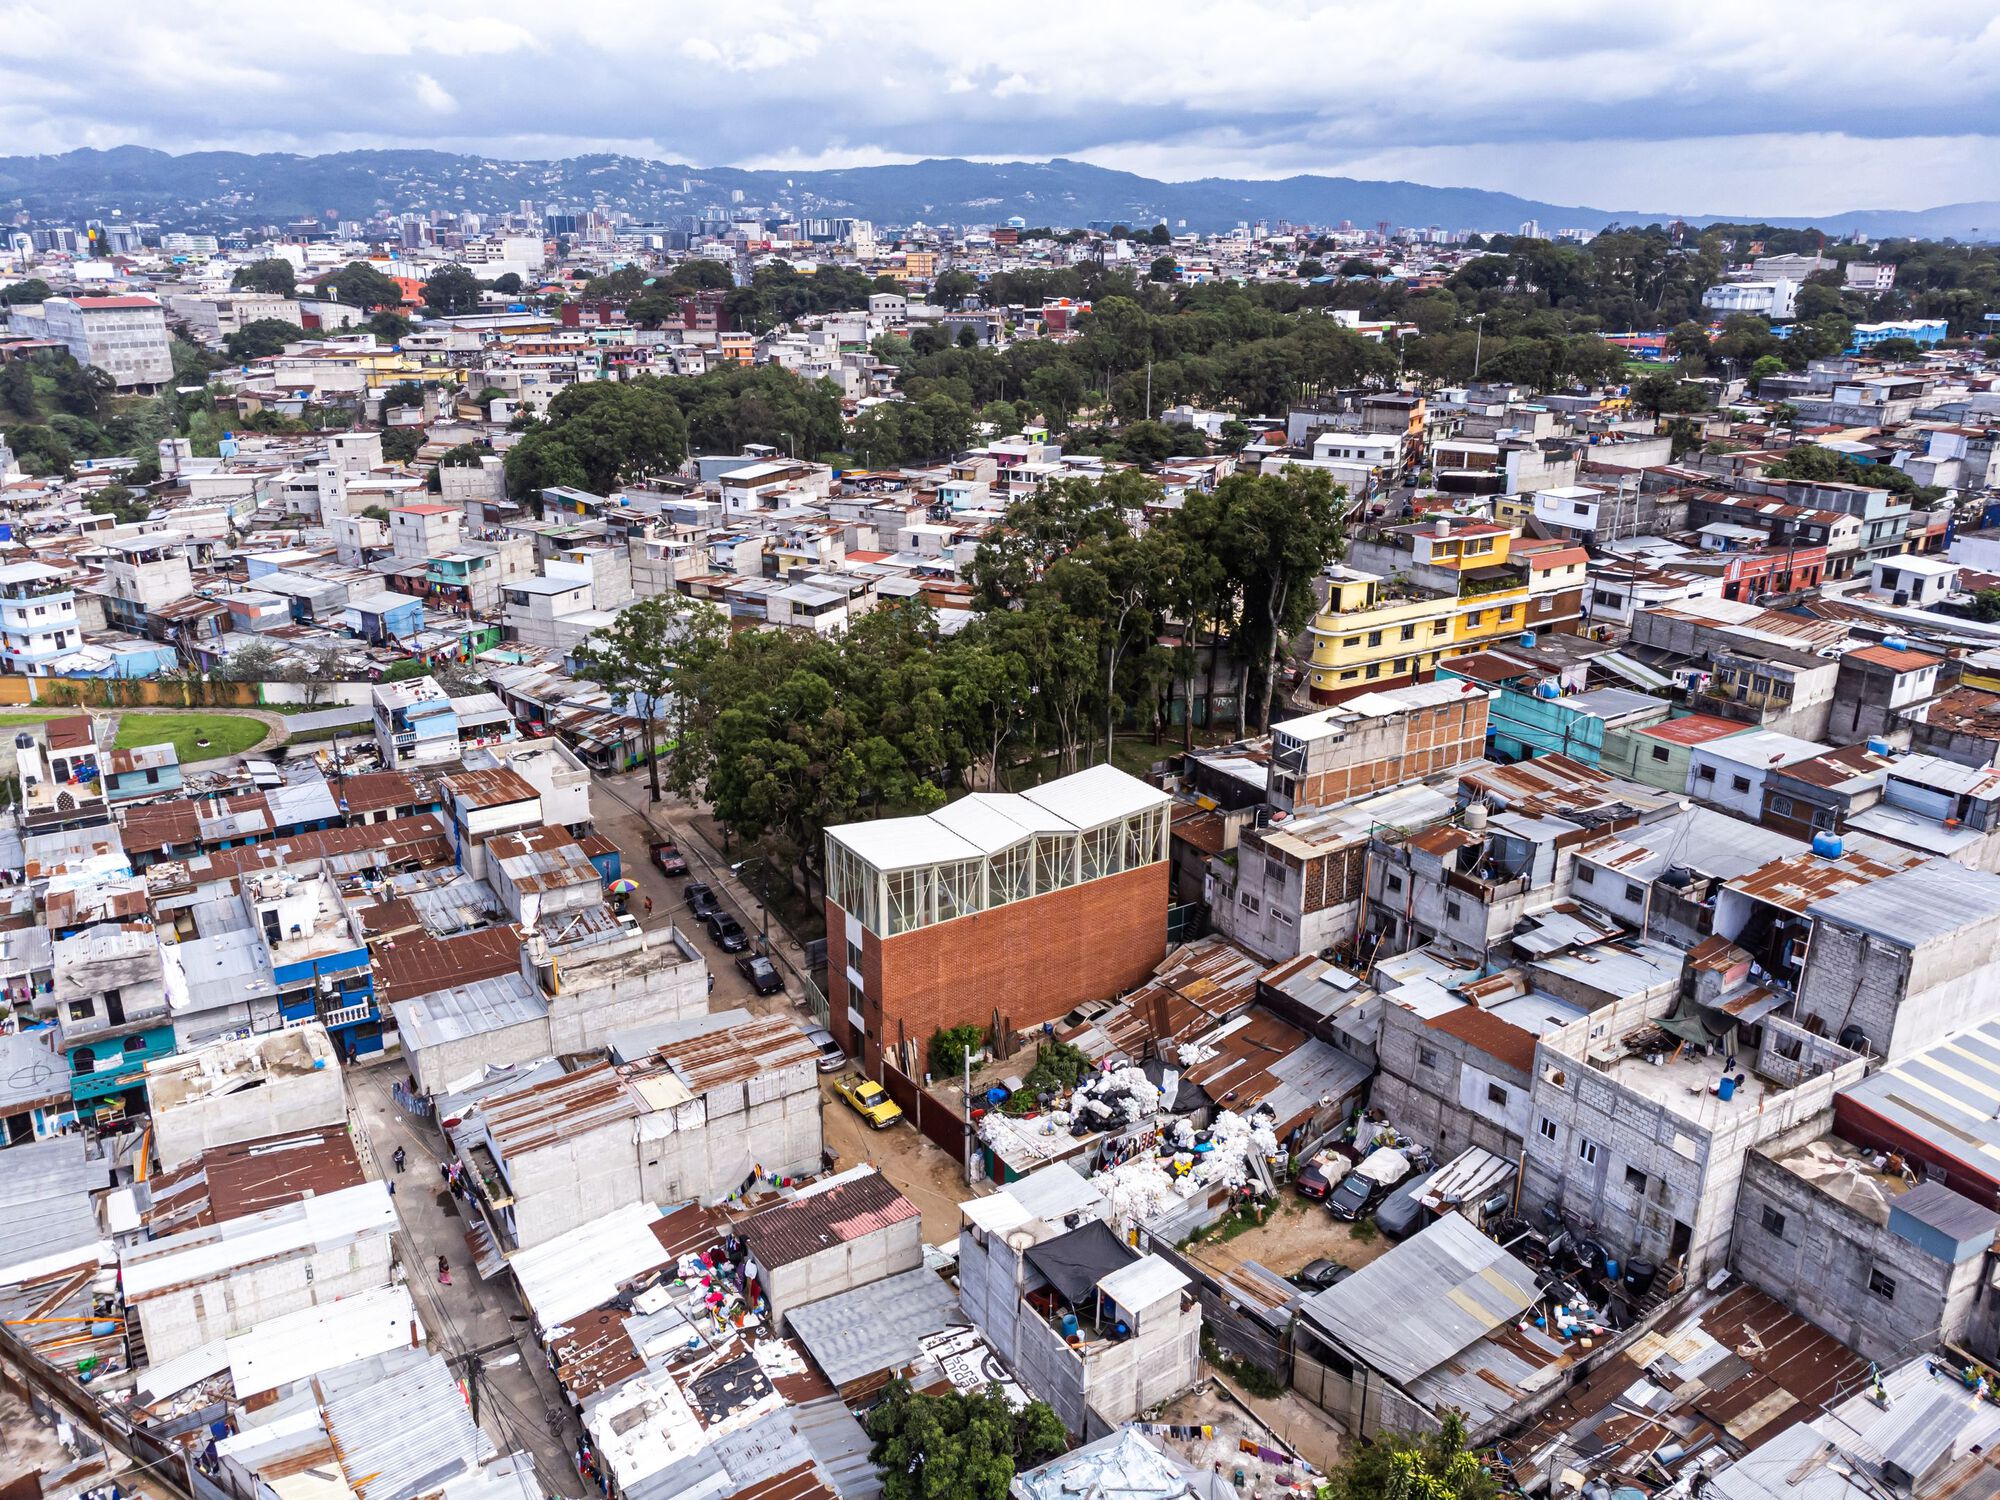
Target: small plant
{"points": [[949, 1049], [1363, 1230], [1253, 1378]]}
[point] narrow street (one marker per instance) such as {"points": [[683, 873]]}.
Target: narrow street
{"points": [[519, 1404]]}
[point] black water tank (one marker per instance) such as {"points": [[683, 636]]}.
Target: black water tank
{"points": [[1639, 1276]]}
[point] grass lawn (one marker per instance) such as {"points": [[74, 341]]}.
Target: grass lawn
{"points": [[11, 717], [227, 734]]}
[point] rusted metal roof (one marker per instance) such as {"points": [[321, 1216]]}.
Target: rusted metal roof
{"points": [[1798, 881], [491, 788], [160, 825], [1500, 1040], [848, 1211], [406, 968], [546, 1112], [1893, 659], [248, 1177], [738, 1054]]}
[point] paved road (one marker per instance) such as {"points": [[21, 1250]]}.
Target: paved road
{"points": [[517, 1398]]}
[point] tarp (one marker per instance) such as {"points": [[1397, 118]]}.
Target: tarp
{"points": [[1075, 1262], [1386, 1166]]}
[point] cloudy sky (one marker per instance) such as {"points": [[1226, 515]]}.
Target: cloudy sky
{"points": [[1696, 106]]}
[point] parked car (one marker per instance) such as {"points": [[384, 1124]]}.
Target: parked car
{"points": [[727, 932], [629, 923], [868, 1099], [700, 899], [1368, 1184], [1316, 1179], [761, 972], [1402, 1212], [1318, 1275], [831, 1058], [669, 859]]}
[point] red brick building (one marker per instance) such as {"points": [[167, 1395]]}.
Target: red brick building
{"points": [[1021, 905]]}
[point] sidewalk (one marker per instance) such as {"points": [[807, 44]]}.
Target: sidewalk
{"points": [[470, 1316]]}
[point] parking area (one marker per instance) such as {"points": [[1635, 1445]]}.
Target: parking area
{"points": [[1297, 1231]]}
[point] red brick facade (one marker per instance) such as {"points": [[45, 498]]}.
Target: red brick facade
{"points": [[1426, 742], [1030, 961]]}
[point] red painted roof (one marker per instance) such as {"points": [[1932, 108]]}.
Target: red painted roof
{"points": [[1694, 729], [428, 510], [107, 304], [842, 1214], [1894, 660]]}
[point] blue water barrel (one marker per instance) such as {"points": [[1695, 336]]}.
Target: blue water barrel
{"points": [[1827, 845]]}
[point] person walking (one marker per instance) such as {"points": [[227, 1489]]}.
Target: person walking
{"points": [[399, 1158], [444, 1271]]}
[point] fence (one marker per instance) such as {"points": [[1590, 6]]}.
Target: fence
{"points": [[1237, 1329], [939, 1123]]}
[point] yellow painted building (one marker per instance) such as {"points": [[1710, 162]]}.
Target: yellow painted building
{"points": [[1450, 588]]}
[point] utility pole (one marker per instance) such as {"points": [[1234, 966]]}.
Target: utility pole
{"points": [[968, 1117], [1478, 335], [1149, 390]]}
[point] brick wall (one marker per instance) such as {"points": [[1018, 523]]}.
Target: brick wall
{"points": [[1030, 960], [1420, 744]]}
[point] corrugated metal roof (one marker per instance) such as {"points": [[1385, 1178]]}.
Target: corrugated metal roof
{"points": [[874, 1328], [1925, 904], [404, 1432], [788, 1232], [1425, 1301]]}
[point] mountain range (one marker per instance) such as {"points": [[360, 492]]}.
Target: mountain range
{"points": [[221, 190]]}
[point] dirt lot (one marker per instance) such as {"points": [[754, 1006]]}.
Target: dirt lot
{"points": [[1310, 1434], [923, 1173], [1297, 1231]]}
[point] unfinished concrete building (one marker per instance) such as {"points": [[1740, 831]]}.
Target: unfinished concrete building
{"points": [[840, 1233], [1899, 964], [1845, 1238], [1643, 1117], [1092, 1327], [241, 1089]]}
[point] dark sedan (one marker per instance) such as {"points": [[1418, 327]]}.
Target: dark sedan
{"points": [[727, 932], [669, 859], [761, 972]]}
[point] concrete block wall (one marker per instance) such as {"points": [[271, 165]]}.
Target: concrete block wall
{"points": [[581, 1176], [281, 1105], [1161, 1360], [181, 1321], [581, 1019], [1820, 1258], [1429, 1102], [843, 1266]]}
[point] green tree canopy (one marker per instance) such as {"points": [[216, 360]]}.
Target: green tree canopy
{"points": [[1435, 1466], [274, 275], [961, 1446], [28, 290], [261, 339], [359, 284], [452, 291], [600, 434]]}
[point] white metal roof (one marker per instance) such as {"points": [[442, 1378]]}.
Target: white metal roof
{"points": [[574, 1272], [1144, 1283], [1096, 795], [348, 1214], [281, 1350]]}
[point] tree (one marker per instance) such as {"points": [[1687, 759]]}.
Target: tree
{"points": [[507, 283], [1764, 367], [22, 293], [401, 444], [316, 673], [1163, 268], [125, 506], [40, 450], [275, 276], [1434, 1466], [389, 327], [81, 390], [17, 389], [702, 275], [641, 658], [1277, 532], [1161, 235], [600, 434], [1309, 269], [960, 1446], [452, 291], [255, 662], [359, 284], [261, 339]]}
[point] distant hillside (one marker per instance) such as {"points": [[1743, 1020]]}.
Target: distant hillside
{"points": [[223, 189]]}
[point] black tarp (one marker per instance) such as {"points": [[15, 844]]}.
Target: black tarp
{"points": [[1075, 1262]]}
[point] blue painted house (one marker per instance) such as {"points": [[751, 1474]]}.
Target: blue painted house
{"points": [[109, 998], [385, 618], [148, 771], [318, 956]]}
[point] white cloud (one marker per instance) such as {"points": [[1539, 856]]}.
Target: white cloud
{"points": [[433, 95], [1790, 106]]}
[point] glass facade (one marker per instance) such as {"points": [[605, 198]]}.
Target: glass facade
{"points": [[890, 902]]}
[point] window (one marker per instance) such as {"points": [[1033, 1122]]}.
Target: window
{"points": [[1659, 752], [1548, 1128], [1633, 892], [1426, 1058], [1392, 883], [1705, 773], [1473, 620], [152, 778], [1453, 910], [1782, 806], [1439, 627], [1739, 783], [1374, 637], [1250, 902], [135, 1044], [1882, 1286], [82, 1010], [1773, 1222], [1496, 1095], [1374, 669], [1586, 1151], [1585, 875], [1409, 632], [1635, 1180]]}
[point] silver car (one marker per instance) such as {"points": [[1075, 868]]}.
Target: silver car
{"points": [[831, 1058]]}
